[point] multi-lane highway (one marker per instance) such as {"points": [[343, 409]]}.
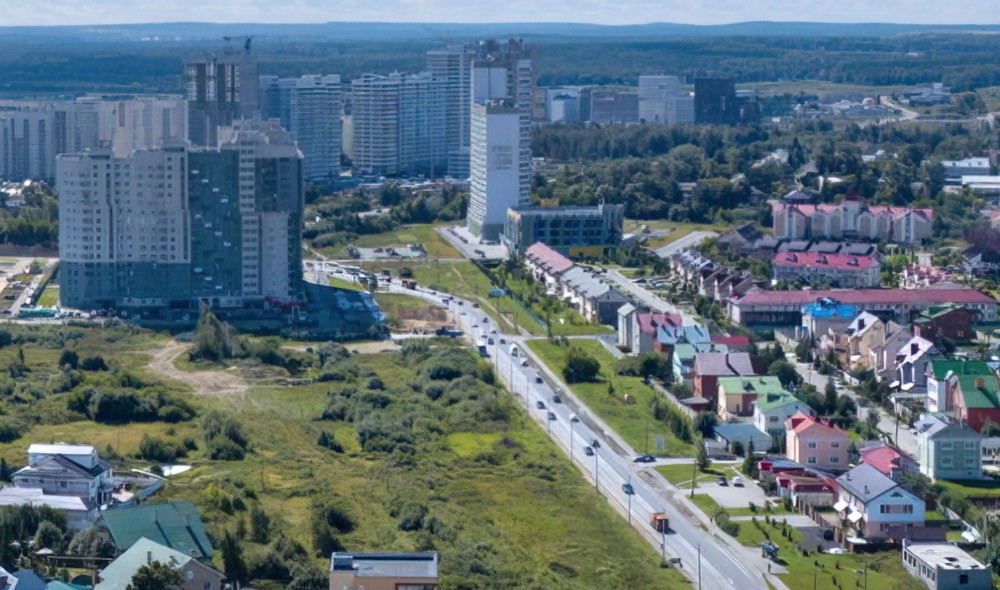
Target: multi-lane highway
{"points": [[699, 556]]}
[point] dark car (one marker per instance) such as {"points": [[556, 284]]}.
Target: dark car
{"points": [[595, 443], [628, 489], [540, 405], [552, 416], [644, 459], [722, 481], [588, 451], [828, 534], [556, 399]]}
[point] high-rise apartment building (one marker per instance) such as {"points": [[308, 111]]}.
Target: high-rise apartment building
{"points": [[174, 226], [28, 144], [599, 105], [715, 101], [497, 181], [451, 68], [663, 101], [398, 125], [503, 82], [311, 108], [33, 133], [220, 89]]}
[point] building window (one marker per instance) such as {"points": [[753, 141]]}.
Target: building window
{"points": [[963, 578], [835, 445], [812, 459], [812, 445], [834, 459]]}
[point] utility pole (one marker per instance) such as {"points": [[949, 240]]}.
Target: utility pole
{"points": [[646, 424], [699, 566], [694, 475], [571, 441], [597, 462]]}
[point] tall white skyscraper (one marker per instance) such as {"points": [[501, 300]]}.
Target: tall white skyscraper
{"points": [[496, 180], [503, 81], [311, 109], [398, 124], [662, 101]]}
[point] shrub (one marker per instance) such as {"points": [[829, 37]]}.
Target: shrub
{"points": [[69, 358], [94, 363], [580, 366]]}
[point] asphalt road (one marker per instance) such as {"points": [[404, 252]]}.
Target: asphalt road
{"points": [[692, 239], [611, 466]]}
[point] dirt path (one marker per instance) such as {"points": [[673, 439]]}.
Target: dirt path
{"points": [[216, 383]]}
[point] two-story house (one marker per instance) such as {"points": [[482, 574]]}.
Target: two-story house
{"points": [[949, 321], [875, 506], [948, 449], [912, 362], [709, 366], [737, 395], [67, 470], [943, 377], [770, 412], [860, 340], [813, 443]]}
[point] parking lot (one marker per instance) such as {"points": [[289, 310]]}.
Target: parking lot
{"points": [[730, 496]]}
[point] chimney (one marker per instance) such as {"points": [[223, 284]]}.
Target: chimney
{"points": [[866, 489], [861, 324], [914, 348], [156, 517], [979, 383], [149, 558]]}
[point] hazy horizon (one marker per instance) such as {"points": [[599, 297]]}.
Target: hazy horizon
{"points": [[624, 12]]}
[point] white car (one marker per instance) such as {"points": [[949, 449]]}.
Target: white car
{"points": [[737, 482]]}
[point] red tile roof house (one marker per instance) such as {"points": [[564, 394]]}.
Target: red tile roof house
{"points": [[889, 460], [842, 270], [816, 444], [546, 264], [709, 366], [771, 308]]}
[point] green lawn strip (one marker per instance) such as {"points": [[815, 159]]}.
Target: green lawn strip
{"points": [[830, 572], [680, 475], [631, 420], [679, 230], [342, 284], [50, 296], [424, 234], [985, 487], [709, 506]]}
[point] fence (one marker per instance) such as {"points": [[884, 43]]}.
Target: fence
{"points": [[673, 399]]}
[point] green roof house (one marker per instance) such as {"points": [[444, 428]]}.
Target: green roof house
{"points": [[175, 525]]}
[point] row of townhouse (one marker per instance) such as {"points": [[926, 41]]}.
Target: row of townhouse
{"points": [[851, 219], [710, 279], [584, 289]]}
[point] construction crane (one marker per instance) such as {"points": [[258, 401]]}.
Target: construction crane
{"points": [[246, 41]]}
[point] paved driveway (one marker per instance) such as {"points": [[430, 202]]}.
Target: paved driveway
{"points": [[731, 496]]}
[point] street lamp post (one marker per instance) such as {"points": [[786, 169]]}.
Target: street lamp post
{"points": [[571, 440], [596, 463]]}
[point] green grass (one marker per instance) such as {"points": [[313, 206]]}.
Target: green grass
{"points": [[986, 487], [628, 420], [834, 571], [529, 520], [50, 296], [465, 280], [680, 475], [680, 230], [709, 506], [342, 284], [423, 234]]}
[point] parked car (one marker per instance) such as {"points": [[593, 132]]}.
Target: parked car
{"points": [[737, 482], [588, 451], [540, 405], [503, 341], [490, 341], [722, 481], [524, 362], [827, 534], [552, 416], [538, 378], [556, 399], [644, 459]]}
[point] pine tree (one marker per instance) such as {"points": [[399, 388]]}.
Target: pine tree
{"points": [[702, 454]]}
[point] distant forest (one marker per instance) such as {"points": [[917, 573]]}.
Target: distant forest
{"points": [[962, 61]]}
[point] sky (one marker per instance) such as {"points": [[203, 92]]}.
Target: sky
{"points": [[88, 12]]}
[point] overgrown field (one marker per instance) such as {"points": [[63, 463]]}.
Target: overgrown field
{"points": [[412, 450]]}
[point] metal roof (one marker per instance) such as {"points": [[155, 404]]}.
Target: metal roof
{"points": [[176, 525], [385, 565]]}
